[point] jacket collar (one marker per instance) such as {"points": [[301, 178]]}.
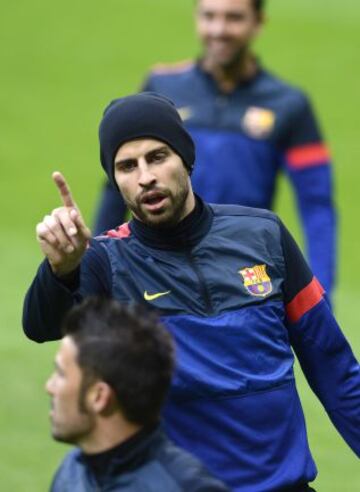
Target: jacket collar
{"points": [[124, 457], [239, 86], [184, 235]]}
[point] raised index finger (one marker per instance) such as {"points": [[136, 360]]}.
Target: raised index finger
{"points": [[64, 190]]}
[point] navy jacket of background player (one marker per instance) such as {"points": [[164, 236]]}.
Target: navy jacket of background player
{"points": [[112, 373], [248, 126], [232, 287]]}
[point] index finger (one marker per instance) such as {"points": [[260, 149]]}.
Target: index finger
{"points": [[64, 190]]}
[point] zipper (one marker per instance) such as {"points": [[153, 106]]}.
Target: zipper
{"points": [[203, 287]]}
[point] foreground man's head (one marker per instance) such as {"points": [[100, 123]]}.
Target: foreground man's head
{"points": [[112, 372]]}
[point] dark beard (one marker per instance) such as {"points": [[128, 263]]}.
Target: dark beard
{"points": [[231, 67], [168, 218]]}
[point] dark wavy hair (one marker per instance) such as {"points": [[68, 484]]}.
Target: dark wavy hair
{"points": [[258, 5], [126, 347]]}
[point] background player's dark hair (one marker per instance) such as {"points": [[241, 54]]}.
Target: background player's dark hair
{"points": [[259, 5], [128, 349]]}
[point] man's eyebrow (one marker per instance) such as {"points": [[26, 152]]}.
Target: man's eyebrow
{"points": [[125, 160], [150, 153], [163, 148]]}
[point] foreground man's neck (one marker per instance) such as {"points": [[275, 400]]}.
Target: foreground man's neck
{"points": [[109, 435], [119, 457]]}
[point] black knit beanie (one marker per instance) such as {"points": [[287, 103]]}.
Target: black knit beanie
{"points": [[143, 115]]}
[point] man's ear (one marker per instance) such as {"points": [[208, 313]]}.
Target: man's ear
{"points": [[100, 397], [261, 17]]}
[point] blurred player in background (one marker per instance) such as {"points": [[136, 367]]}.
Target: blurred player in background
{"points": [[112, 372], [248, 126]]}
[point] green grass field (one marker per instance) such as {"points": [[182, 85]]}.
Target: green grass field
{"points": [[60, 64]]}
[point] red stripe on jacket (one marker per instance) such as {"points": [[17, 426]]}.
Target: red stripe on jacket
{"points": [[120, 232], [308, 155], [304, 300]]}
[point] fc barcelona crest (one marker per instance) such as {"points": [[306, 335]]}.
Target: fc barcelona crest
{"points": [[258, 122], [256, 281]]}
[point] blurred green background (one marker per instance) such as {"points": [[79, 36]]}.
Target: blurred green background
{"points": [[61, 62]]}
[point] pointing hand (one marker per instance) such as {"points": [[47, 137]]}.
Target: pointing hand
{"points": [[63, 235]]}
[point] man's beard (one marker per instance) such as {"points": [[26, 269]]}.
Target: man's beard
{"points": [[230, 63], [173, 212], [74, 430], [73, 433]]}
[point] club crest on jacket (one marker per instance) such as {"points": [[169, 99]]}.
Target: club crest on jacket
{"points": [[258, 122], [256, 280]]}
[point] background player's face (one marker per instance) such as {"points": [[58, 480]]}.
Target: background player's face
{"points": [[226, 29], [153, 182], [68, 422]]}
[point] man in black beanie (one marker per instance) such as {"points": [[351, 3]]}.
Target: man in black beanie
{"points": [[232, 287], [143, 115], [149, 125]]}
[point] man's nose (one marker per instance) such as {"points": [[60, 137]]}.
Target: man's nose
{"points": [[48, 386], [146, 176], [218, 27]]}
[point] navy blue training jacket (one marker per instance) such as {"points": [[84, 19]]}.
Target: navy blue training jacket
{"points": [[149, 464], [234, 290], [243, 141]]}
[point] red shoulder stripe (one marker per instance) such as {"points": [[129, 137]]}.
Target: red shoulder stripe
{"points": [[307, 155], [306, 299], [120, 232]]}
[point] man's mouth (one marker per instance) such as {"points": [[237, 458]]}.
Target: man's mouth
{"points": [[220, 45], [153, 200]]}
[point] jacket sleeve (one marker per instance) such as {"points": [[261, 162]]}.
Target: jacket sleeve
{"points": [[307, 162], [49, 297], [325, 356], [147, 83]]}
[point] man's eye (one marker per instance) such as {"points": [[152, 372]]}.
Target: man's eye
{"points": [[159, 157], [58, 373], [208, 16], [236, 17], [126, 166]]}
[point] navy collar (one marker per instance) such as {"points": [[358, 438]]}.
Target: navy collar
{"points": [[240, 85], [184, 235], [124, 456]]}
